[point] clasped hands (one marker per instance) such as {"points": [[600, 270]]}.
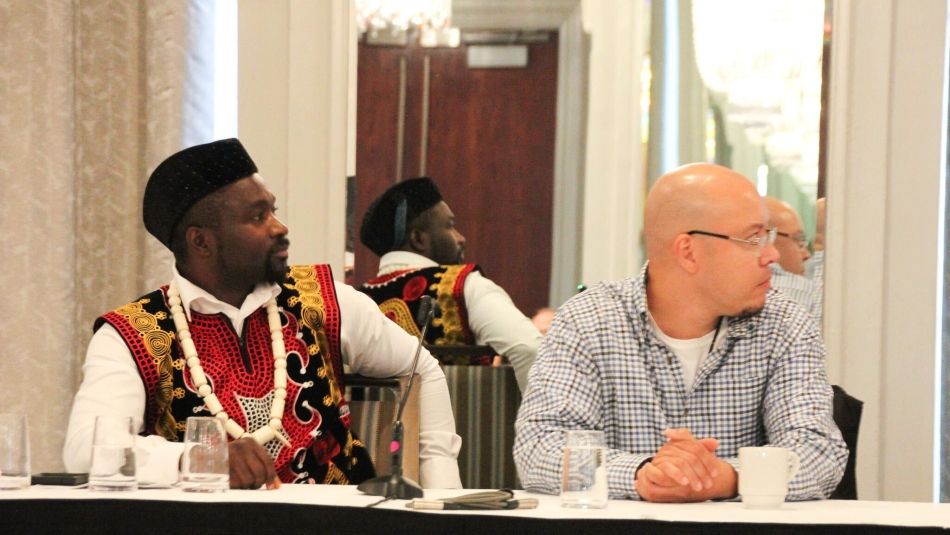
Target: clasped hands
{"points": [[686, 469]]}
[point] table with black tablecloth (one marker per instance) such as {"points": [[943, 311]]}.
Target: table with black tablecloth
{"points": [[336, 509]]}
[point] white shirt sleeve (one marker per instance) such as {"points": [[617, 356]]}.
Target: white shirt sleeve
{"points": [[374, 346], [111, 386], [496, 321]]}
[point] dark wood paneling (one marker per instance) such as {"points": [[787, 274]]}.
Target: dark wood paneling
{"points": [[491, 150], [500, 123], [377, 115]]}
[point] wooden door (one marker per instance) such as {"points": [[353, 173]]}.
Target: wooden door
{"points": [[488, 143]]}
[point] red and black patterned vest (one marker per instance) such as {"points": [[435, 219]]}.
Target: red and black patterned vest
{"points": [[398, 293], [241, 372]]}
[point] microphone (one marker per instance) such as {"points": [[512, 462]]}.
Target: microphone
{"points": [[395, 485], [426, 305]]}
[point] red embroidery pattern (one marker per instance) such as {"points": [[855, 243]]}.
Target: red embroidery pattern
{"points": [[414, 288]]}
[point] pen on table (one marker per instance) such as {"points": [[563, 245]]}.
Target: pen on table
{"points": [[438, 505]]}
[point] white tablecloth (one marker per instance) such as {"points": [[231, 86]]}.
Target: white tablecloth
{"points": [[815, 512]]}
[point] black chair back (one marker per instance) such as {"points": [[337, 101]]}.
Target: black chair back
{"points": [[847, 415]]}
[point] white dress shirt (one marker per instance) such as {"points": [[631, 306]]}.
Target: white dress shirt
{"points": [[372, 345], [492, 316]]}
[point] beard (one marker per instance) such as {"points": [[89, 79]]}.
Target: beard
{"points": [[456, 253], [275, 269], [448, 255], [749, 312]]}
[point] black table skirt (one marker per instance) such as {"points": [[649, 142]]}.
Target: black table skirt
{"points": [[167, 517]]}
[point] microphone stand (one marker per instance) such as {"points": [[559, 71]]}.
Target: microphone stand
{"points": [[395, 485]]}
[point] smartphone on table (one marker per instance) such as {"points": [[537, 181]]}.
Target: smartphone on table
{"points": [[60, 478]]}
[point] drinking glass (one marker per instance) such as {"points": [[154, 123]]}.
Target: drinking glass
{"points": [[204, 466], [113, 455], [584, 473], [14, 452]]}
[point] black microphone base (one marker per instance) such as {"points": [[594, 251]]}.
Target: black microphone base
{"points": [[391, 486]]}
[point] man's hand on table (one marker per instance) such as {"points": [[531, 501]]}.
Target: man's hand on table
{"points": [[250, 465], [686, 469]]}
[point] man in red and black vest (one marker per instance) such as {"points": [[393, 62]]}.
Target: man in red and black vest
{"points": [[421, 252], [240, 335]]}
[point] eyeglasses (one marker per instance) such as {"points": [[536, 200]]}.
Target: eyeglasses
{"points": [[800, 239], [759, 241]]}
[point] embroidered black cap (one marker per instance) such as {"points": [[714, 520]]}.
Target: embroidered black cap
{"points": [[188, 176], [387, 218]]}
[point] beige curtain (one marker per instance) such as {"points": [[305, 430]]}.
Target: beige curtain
{"points": [[90, 101]]}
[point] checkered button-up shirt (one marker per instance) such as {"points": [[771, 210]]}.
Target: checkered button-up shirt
{"points": [[807, 290], [601, 366]]}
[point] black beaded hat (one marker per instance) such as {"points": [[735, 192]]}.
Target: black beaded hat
{"points": [[186, 177], [387, 218]]}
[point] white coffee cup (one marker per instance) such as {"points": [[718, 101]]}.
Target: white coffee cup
{"points": [[764, 473]]}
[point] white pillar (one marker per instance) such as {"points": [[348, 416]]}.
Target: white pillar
{"points": [[884, 214], [613, 180], [292, 101]]}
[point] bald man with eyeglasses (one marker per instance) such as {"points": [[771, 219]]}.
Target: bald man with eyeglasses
{"points": [[687, 362], [798, 273]]}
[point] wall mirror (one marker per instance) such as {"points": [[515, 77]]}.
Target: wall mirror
{"points": [[474, 107], [504, 138], [743, 84]]}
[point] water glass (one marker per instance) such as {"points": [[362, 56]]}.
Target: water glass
{"points": [[113, 455], [14, 452], [204, 466], [584, 473]]}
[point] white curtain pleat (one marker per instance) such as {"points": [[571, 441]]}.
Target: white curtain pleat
{"points": [[90, 101]]}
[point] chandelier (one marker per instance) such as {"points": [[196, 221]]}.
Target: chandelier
{"points": [[394, 22], [762, 61]]}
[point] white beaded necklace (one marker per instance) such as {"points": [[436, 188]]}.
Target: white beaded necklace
{"points": [[266, 433]]}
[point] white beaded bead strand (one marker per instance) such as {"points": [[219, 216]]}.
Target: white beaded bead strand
{"points": [[274, 428]]}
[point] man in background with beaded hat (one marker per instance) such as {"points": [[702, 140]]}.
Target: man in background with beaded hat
{"points": [[421, 252], [241, 336]]}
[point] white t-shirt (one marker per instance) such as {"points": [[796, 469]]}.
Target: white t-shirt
{"points": [[691, 352]]}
